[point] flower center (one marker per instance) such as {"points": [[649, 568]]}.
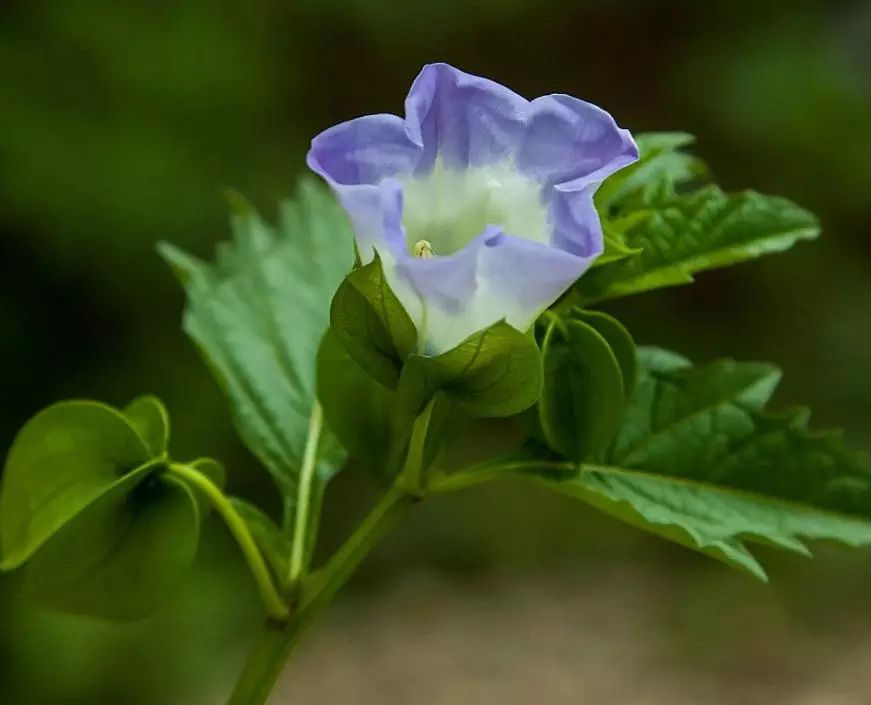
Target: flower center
{"points": [[446, 208]]}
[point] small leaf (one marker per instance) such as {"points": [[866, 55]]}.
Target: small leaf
{"points": [[122, 555], [618, 339], [272, 542], [62, 460], [494, 373], [371, 323], [150, 420], [582, 399]]}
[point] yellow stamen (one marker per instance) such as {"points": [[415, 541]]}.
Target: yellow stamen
{"points": [[422, 249]]}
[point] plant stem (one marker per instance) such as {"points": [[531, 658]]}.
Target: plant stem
{"points": [[412, 476], [487, 472], [275, 605], [276, 641], [306, 475]]}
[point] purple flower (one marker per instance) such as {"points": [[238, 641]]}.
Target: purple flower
{"points": [[479, 202]]}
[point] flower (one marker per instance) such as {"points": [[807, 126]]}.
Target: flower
{"points": [[479, 202]]}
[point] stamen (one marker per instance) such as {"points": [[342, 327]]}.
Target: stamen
{"points": [[422, 249]]}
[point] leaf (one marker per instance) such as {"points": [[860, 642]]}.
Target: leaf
{"points": [[618, 339], [659, 158], [357, 408], [582, 397], [699, 461], [258, 313], [712, 519], [122, 555], [371, 323], [651, 207], [273, 543], [62, 460], [493, 373], [150, 420]]}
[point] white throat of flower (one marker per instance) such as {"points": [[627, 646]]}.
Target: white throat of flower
{"points": [[447, 208]]}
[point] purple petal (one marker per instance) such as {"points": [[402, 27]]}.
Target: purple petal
{"points": [[568, 139], [466, 120], [364, 151], [575, 221], [495, 277]]}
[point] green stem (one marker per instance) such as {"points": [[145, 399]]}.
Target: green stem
{"points": [[276, 641], [309, 460], [275, 605], [472, 476], [412, 476]]}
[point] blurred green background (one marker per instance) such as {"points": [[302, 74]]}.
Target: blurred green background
{"points": [[119, 124]]}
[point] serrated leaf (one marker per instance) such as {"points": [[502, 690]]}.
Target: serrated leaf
{"points": [[258, 313], [712, 519], [120, 556], [371, 324], [655, 209], [699, 461], [63, 459], [660, 158], [680, 235]]}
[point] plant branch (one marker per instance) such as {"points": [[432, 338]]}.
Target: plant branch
{"points": [[276, 641], [275, 605]]}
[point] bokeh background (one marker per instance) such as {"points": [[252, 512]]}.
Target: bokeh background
{"points": [[120, 122]]}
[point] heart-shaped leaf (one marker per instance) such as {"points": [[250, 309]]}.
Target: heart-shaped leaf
{"points": [[120, 556], [63, 459]]}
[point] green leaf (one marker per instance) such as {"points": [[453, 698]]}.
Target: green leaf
{"points": [[357, 408], [371, 323], [273, 543], [493, 373], [258, 313], [619, 340], [712, 519], [652, 208], [659, 158], [699, 461], [582, 398], [150, 420], [63, 460], [122, 555]]}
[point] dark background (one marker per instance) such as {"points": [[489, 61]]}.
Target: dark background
{"points": [[119, 124]]}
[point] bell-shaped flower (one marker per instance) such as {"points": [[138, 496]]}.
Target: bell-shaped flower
{"points": [[479, 202]]}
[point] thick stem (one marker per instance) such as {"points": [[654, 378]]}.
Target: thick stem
{"points": [[275, 606], [276, 641]]}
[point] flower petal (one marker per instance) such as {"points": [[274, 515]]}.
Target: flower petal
{"points": [[575, 221], [364, 151], [568, 139], [463, 119], [495, 277]]}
